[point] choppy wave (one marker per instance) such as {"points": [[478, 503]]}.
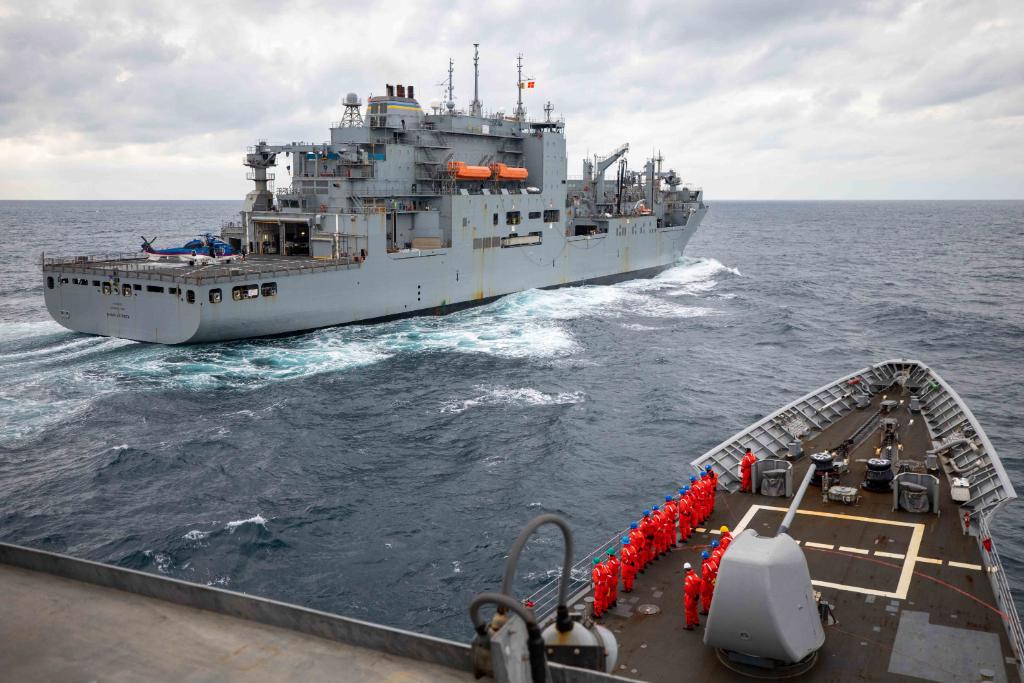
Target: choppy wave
{"points": [[56, 375], [511, 397], [258, 520]]}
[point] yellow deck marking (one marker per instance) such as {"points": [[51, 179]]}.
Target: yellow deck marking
{"points": [[848, 549], [895, 556], [964, 565], [701, 530], [714, 531], [910, 559]]}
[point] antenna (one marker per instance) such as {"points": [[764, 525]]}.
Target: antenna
{"points": [[475, 108], [548, 108], [351, 118], [451, 86]]}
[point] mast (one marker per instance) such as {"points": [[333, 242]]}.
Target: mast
{"points": [[520, 112], [475, 108], [451, 86]]}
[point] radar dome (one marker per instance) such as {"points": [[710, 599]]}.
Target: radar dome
{"points": [[352, 100]]}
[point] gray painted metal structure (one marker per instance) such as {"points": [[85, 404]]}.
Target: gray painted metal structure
{"points": [[381, 222], [962, 447]]}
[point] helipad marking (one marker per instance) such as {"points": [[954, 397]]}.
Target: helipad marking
{"points": [[929, 560], [895, 556], [848, 549], [910, 559], [964, 565]]}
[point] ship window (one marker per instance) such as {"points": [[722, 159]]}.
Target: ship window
{"points": [[154, 288], [551, 216], [190, 296], [49, 283], [243, 292], [495, 219], [214, 296], [534, 214], [138, 288], [269, 289], [63, 280], [513, 218], [126, 290], [106, 288], [172, 290], [95, 283]]}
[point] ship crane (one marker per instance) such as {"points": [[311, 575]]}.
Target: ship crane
{"points": [[593, 175]]}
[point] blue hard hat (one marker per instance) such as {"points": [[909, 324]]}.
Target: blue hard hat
{"points": [[668, 499], [634, 525], [682, 491], [704, 473], [705, 554], [714, 544], [647, 513], [687, 489], [692, 478], [707, 468], [655, 507], [625, 540]]}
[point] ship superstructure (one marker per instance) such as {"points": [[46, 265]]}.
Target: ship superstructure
{"points": [[403, 211]]}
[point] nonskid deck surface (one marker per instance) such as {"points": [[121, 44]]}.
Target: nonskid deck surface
{"points": [[58, 629], [909, 591]]}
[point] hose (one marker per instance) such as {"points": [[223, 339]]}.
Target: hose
{"points": [[562, 620]]}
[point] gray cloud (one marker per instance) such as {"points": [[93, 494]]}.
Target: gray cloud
{"points": [[737, 94]]}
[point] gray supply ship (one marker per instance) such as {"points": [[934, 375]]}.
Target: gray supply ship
{"points": [[403, 212], [863, 553]]}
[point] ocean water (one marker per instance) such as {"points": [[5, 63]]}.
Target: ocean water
{"points": [[382, 472]]}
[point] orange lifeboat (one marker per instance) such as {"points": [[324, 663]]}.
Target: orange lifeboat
{"points": [[465, 172], [503, 172]]}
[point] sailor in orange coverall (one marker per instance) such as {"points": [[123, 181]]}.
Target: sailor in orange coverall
{"points": [[636, 541], [683, 506], [671, 518], [613, 565], [629, 564], [599, 579], [691, 595], [705, 485], [695, 501], [659, 530], [713, 487], [745, 464], [708, 574], [648, 529], [725, 538], [717, 551]]}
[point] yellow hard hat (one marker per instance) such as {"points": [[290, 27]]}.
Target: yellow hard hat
{"points": [[724, 529]]}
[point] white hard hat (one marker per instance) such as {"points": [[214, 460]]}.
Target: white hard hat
{"points": [[687, 566]]}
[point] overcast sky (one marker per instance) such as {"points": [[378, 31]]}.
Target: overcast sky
{"points": [[755, 99]]}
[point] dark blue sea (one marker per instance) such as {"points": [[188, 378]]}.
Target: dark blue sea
{"points": [[382, 472]]}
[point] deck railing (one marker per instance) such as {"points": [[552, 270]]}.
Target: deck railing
{"points": [[136, 265], [545, 598], [1001, 588]]}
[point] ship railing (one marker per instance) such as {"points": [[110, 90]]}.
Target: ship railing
{"points": [[1004, 598], [93, 258], [545, 598], [138, 266]]}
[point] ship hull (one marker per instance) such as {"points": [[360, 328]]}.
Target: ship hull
{"points": [[121, 303]]}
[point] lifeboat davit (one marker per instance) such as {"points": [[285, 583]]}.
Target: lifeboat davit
{"points": [[503, 172], [465, 172]]}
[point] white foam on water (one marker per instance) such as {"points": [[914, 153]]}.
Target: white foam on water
{"points": [[195, 535], [257, 519], [510, 397]]}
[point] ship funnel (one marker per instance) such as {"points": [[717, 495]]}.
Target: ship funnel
{"points": [[401, 90]]}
